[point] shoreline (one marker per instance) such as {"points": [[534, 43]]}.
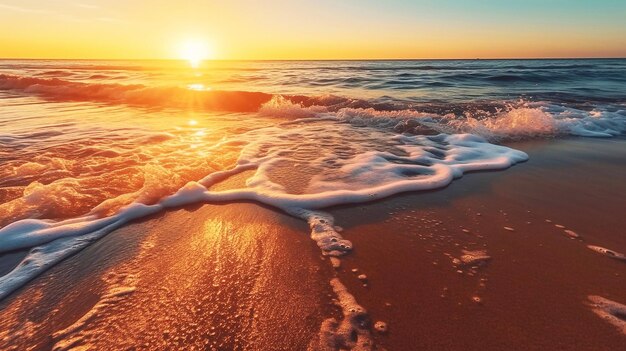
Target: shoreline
{"points": [[533, 293], [392, 240]]}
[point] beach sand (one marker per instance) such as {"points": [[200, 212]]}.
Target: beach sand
{"points": [[242, 276]]}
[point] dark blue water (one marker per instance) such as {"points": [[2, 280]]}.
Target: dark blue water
{"points": [[464, 80]]}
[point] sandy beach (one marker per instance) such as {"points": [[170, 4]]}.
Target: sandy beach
{"points": [[245, 277]]}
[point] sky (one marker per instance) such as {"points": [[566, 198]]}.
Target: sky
{"points": [[315, 29]]}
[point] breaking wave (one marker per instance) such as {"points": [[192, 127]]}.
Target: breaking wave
{"points": [[495, 120]]}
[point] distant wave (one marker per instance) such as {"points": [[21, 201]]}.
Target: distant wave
{"points": [[464, 65], [55, 73], [512, 78]]}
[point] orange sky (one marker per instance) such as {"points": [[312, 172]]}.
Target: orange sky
{"points": [[323, 29]]}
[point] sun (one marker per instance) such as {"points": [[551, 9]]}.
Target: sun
{"points": [[195, 51]]}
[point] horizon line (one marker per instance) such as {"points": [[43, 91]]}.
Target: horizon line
{"points": [[322, 59]]}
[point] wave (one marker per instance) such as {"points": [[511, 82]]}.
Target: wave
{"points": [[550, 67], [136, 94], [493, 120], [457, 65], [514, 78]]}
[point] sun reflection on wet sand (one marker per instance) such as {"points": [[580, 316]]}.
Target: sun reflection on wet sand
{"points": [[211, 286]]}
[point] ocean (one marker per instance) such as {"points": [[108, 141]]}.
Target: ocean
{"points": [[88, 146]]}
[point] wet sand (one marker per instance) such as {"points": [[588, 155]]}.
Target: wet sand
{"points": [[242, 276], [537, 283]]}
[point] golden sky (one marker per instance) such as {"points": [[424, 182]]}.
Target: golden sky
{"points": [[322, 29]]}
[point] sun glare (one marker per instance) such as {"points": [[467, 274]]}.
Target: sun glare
{"points": [[197, 86], [195, 52]]}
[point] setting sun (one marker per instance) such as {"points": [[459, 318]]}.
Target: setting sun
{"points": [[195, 51]]}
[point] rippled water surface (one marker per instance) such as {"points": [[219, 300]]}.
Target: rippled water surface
{"points": [[416, 81]]}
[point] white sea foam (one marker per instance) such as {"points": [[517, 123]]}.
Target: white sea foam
{"points": [[51, 242], [280, 106], [521, 121], [518, 120], [345, 165]]}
